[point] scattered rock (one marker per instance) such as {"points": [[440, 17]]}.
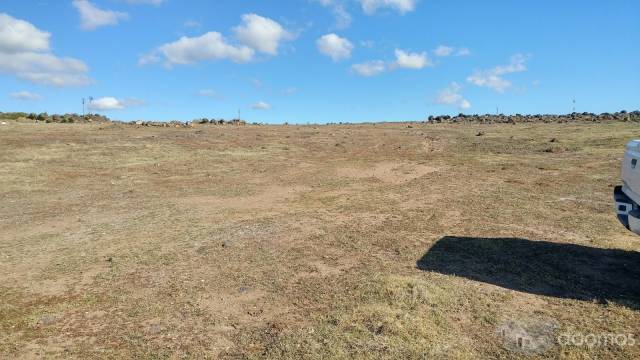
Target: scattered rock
{"points": [[537, 118], [480, 133], [48, 320], [227, 243], [555, 149], [553, 140], [155, 329]]}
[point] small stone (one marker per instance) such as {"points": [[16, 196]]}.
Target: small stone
{"points": [[155, 328], [48, 320]]}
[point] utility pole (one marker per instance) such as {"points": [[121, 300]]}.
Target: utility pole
{"points": [[239, 118], [574, 105], [88, 101]]}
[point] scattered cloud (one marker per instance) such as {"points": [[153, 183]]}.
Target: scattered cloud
{"points": [[20, 36], [463, 52], [261, 33], [208, 93], [25, 95], [189, 50], [451, 96], [290, 91], [443, 51], [257, 83], [261, 105], [410, 60], [341, 15], [256, 33], [192, 24], [367, 44], [144, 2], [370, 68], [404, 59], [493, 78], [92, 17], [111, 103], [335, 47], [370, 7], [25, 53], [106, 103], [150, 58]]}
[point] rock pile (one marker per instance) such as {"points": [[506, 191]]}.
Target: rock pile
{"points": [[203, 121], [538, 118]]}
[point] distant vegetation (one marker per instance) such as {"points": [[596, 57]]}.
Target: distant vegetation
{"points": [[538, 118], [460, 118], [55, 118]]}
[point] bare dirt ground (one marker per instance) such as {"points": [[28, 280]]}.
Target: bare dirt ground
{"points": [[368, 241]]}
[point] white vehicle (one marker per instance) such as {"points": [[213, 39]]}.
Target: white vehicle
{"points": [[627, 196]]}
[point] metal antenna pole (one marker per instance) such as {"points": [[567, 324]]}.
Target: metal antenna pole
{"points": [[82, 107], [574, 105]]}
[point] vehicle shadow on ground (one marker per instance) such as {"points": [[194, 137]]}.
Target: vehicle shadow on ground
{"points": [[540, 267]]}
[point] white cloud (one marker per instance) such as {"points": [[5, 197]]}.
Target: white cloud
{"points": [[402, 6], [92, 17], [404, 59], [189, 50], [257, 83], [192, 24], [257, 33], [443, 51], [334, 46], [367, 44], [106, 103], [111, 103], [261, 105], [144, 2], [410, 60], [261, 34], [369, 68], [20, 36], [493, 79], [207, 93], [463, 52], [341, 15], [25, 95], [24, 53], [451, 96], [290, 91], [150, 58]]}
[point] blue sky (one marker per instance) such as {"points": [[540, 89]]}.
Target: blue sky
{"points": [[302, 61]]}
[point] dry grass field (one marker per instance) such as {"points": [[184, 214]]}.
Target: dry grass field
{"points": [[287, 242]]}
